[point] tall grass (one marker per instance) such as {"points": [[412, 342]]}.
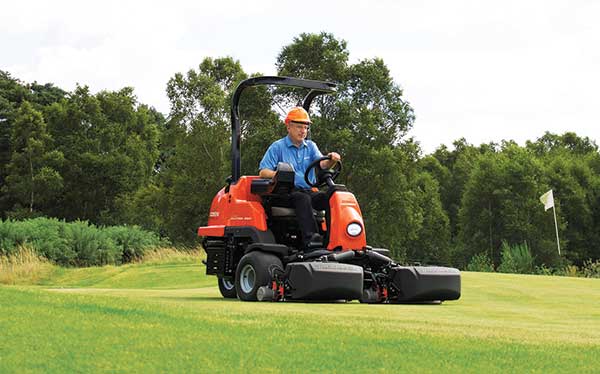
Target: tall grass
{"points": [[172, 255], [24, 266]]}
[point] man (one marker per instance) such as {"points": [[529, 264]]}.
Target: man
{"points": [[295, 150]]}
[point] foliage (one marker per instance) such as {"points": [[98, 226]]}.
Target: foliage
{"points": [[516, 259], [198, 131], [591, 269], [107, 159], [133, 243], [110, 145], [481, 262], [500, 202], [13, 93], [366, 122], [32, 179], [76, 243]]}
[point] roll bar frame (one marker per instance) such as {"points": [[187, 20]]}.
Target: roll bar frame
{"points": [[316, 88]]}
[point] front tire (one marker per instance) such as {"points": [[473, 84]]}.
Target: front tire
{"points": [[227, 288], [254, 271]]}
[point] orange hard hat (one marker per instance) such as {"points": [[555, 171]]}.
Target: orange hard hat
{"points": [[297, 114]]}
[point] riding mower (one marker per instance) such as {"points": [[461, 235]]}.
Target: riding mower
{"points": [[253, 242]]}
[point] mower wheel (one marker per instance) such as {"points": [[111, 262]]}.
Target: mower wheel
{"points": [[254, 271], [227, 288]]}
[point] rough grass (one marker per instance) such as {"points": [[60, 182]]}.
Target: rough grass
{"points": [[158, 268], [172, 255], [24, 267], [109, 320]]}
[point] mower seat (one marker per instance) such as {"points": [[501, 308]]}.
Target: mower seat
{"points": [[279, 211]]}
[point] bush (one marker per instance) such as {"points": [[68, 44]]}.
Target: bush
{"points": [[568, 271], [91, 245], [481, 262], [133, 241], [544, 270], [516, 259], [77, 243], [591, 269]]}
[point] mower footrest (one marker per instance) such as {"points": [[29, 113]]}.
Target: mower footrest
{"points": [[426, 283], [324, 281]]}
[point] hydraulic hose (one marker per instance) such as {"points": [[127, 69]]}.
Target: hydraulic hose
{"points": [[341, 257]]}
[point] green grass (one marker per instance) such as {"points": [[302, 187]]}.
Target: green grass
{"points": [[170, 318], [160, 276]]}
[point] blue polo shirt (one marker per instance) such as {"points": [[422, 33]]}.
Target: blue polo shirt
{"points": [[283, 150]]}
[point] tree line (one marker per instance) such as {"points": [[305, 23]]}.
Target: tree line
{"points": [[108, 159]]}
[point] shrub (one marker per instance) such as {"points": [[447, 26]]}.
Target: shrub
{"points": [[91, 245], [77, 243], [591, 269], [516, 259], [133, 241], [544, 270], [481, 262], [568, 271]]}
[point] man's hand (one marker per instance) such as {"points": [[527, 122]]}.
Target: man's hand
{"points": [[266, 173], [335, 157], [328, 164]]}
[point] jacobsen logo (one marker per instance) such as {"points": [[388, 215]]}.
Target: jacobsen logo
{"points": [[325, 266], [213, 214], [425, 270]]}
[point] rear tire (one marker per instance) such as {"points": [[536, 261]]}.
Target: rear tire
{"points": [[254, 271], [227, 288]]}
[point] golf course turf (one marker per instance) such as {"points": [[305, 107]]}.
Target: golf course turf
{"points": [[171, 318]]}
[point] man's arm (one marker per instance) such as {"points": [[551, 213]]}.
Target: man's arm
{"points": [[269, 163]]}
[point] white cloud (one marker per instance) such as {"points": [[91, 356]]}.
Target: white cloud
{"points": [[483, 70]]}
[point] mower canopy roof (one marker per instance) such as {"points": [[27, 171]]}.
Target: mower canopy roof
{"points": [[316, 88]]}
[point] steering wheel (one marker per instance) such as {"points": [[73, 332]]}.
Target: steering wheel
{"points": [[321, 175]]}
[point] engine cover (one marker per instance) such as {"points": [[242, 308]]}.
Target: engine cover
{"points": [[324, 281]]}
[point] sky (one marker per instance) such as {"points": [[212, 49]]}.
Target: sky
{"points": [[482, 70]]}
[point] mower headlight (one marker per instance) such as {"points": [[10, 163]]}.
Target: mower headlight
{"points": [[354, 229]]}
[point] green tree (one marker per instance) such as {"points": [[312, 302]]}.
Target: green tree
{"points": [[572, 165], [453, 172], [32, 180], [197, 134], [366, 122], [569, 141], [314, 56], [110, 144], [500, 202], [12, 94], [432, 245]]}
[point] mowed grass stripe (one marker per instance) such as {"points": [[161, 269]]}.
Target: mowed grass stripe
{"points": [[159, 276], [89, 333], [502, 323], [502, 306]]}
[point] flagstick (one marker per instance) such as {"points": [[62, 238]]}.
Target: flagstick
{"points": [[556, 227]]}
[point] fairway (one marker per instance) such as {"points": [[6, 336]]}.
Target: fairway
{"points": [[171, 318]]}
